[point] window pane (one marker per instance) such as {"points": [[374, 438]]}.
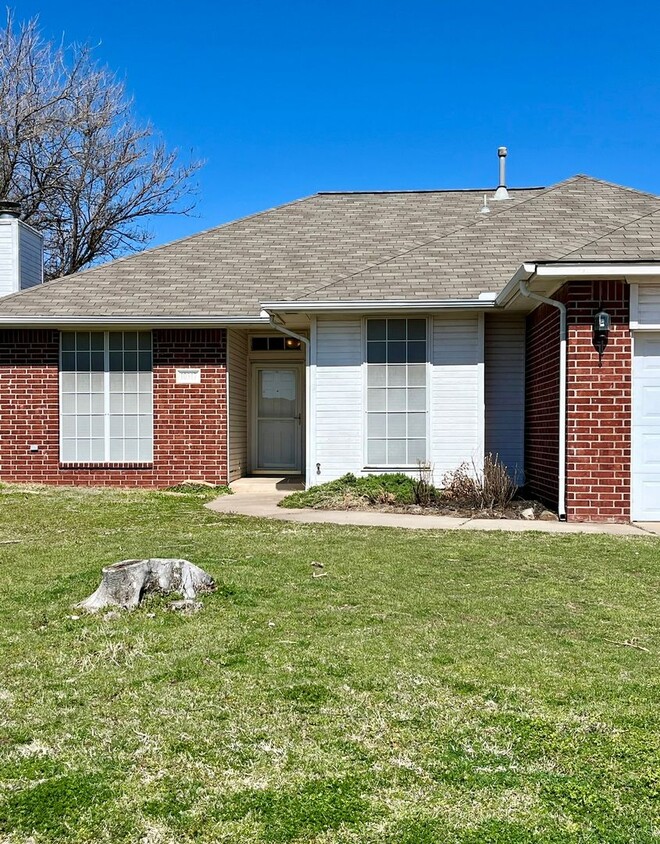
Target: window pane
{"points": [[82, 341], [396, 329], [83, 404], [396, 352], [376, 424], [97, 340], [276, 344], [116, 361], [416, 375], [145, 451], [417, 399], [130, 403], [144, 403], [84, 426], [416, 352], [417, 329], [417, 425], [131, 450], [84, 451], [116, 427], [130, 382], [396, 399], [130, 361], [144, 361], [68, 426], [82, 361], [376, 329], [396, 453], [68, 341], [144, 341], [68, 454], [116, 450], [114, 340], [130, 340], [259, 344], [416, 451], [376, 375], [130, 426], [376, 352], [97, 426], [116, 403], [376, 452], [97, 362], [376, 399], [97, 451], [68, 361], [396, 425], [396, 375]]}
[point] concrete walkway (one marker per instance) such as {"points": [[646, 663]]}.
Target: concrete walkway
{"points": [[260, 496]]}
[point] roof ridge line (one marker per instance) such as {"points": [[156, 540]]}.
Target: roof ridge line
{"points": [[421, 190], [636, 191], [435, 239], [610, 233]]}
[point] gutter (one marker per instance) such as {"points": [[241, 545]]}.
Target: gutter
{"points": [[487, 302], [563, 336], [59, 321]]}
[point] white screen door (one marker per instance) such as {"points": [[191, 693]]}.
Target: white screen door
{"points": [[277, 419]]}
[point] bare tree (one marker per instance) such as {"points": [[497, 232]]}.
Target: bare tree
{"points": [[86, 172]]}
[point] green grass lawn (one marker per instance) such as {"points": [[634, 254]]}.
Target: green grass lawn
{"points": [[433, 687]]}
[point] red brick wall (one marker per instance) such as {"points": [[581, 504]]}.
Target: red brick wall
{"points": [[190, 421], [598, 404], [542, 404]]}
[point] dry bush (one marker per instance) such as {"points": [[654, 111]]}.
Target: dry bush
{"points": [[423, 489], [489, 489]]}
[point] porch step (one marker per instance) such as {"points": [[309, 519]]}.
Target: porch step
{"points": [[268, 485]]}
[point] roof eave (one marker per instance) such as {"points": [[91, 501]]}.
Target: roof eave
{"points": [[135, 320], [549, 276], [370, 305]]}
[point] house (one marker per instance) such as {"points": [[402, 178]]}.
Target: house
{"points": [[359, 332]]}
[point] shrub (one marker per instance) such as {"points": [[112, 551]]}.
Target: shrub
{"points": [[395, 488], [489, 489]]}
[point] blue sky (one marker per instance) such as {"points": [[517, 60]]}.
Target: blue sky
{"points": [[286, 98]]}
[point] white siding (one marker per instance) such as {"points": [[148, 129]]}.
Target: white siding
{"points": [[8, 247], [237, 367], [456, 396], [21, 257], [457, 404], [338, 390], [505, 390], [31, 257], [648, 303]]}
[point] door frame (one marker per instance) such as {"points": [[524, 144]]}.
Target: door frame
{"points": [[299, 369]]}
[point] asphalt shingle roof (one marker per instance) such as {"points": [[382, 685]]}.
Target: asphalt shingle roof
{"points": [[348, 246]]}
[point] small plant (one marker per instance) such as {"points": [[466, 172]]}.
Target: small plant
{"points": [[423, 488], [492, 488]]}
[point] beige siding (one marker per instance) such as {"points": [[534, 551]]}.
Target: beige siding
{"points": [[237, 365]]}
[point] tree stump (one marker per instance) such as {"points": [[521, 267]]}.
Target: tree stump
{"points": [[124, 584]]}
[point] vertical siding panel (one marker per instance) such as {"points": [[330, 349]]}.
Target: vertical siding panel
{"points": [[339, 398], [237, 364], [505, 390], [31, 257], [456, 393]]}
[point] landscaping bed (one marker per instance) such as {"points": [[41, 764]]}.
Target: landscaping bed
{"points": [[400, 493]]}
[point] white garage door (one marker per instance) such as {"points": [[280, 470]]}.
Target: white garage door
{"points": [[646, 428]]}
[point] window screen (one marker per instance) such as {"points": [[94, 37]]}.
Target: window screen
{"points": [[396, 392], [106, 397]]}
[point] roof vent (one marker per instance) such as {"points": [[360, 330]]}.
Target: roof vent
{"points": [[9, 209], [484, 208], [502, 192]]}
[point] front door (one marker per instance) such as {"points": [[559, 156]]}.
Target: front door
{"points": [[277, 418]]}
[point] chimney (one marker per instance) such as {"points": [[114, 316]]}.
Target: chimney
{"points": [[21, 251], [502, 192]]}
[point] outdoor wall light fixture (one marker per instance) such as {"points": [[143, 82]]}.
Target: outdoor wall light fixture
{"points": [[602, 322]]}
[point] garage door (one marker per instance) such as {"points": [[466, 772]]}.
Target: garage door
{"points": [[646, 428]]}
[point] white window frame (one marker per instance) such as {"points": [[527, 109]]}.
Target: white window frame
{"points": [[107, 460], [391, 467]]}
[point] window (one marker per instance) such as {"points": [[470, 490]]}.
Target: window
{"points": [[106, 397], [279, 343], [396, 392]]}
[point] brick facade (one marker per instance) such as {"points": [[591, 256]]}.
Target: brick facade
{"points": [[190, 421], [598, 404]]}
